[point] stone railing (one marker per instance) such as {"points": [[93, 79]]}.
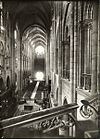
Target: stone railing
{"points": [[47, 119]]}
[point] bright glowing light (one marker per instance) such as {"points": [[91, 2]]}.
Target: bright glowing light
{"points": [[2, 28], [31, 81], [39, 50], [39, 75], [15, 34]]}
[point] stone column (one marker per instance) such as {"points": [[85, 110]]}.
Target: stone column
{"points": [[60, 56], [98, 54], [19, 64], [12, 53], [46, 59], [52, 56], [65, 58], [3, 32], [98, 67], [94, 48], [81, 48], [54, 50], [75, 49], [79, 68], [72, 53], [78, 51]]}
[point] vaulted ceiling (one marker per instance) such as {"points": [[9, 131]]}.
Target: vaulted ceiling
{"points": [[28, 13], [35, 36]]}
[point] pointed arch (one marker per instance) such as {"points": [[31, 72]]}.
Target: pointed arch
{"points": [[65, 101]]}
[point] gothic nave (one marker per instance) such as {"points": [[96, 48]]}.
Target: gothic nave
{"points": [[49, 69]]}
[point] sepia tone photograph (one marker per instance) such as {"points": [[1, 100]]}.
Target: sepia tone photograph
{"points": [[49, 69]]}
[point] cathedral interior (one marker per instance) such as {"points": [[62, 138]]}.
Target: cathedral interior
{"points": [[49, 69]]}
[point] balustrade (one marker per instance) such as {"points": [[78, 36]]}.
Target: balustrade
{"points": [[90, 105], [46, 119]]}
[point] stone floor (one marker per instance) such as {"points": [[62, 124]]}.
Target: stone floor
{"points": [[29, 130]]}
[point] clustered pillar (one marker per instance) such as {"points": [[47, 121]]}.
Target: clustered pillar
{"points": [[94, 48]]}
